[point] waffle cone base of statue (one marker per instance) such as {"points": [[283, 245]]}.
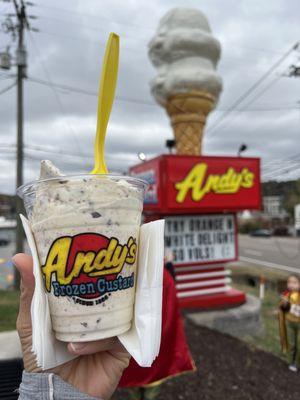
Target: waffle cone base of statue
{"points": [[188, 113]]}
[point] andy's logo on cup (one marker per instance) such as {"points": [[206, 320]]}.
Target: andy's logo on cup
{"points": [[87, 266]]}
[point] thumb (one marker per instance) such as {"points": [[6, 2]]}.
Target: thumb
{"points": [[23, 262]]}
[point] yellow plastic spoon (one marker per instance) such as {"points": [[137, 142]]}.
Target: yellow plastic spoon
{"points": [[106, 97]]}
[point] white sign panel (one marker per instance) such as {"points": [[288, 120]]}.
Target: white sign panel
{"points": [[297, 216], [201, 238]]}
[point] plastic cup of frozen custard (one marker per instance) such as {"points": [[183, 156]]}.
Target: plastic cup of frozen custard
{"points": [[86, 229]]}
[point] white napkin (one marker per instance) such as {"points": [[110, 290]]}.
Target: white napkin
{"points": [[142, 341]]}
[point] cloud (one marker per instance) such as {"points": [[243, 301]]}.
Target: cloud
{"points": [[69, 49]]}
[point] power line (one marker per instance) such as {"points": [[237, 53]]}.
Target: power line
{"points": [[285, 174], [74, 89], [59, 102], [88, 15], [265, 50], [63, 21], [7, 144], [292, 168], [53, 150], [282, 103], [90, 41], [294, 157], [73, 155], [271, 169], [56, 152], [136, 51], [88, 162], [241, 98], [62, 160], [264, 90], [85, 26], [12, 146], [241, 110], [282, 159], [256, 97], [283, 169], [6, 74], [153, 29], [4, 78], [88, 92], [62, 86], [279, 169], [73, 37], [8, 88]]}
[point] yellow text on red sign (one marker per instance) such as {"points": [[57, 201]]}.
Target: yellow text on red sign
{"points": [[106, 261], [199, 183]]}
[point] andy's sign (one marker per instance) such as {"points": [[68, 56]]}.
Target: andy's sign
{"points": [[196, 184], [88, 265]]}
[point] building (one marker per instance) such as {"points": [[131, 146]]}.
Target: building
{"points": [[273, 207], [7, 206]]}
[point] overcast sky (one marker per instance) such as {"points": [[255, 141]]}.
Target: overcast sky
{"points": [[68, 50]]}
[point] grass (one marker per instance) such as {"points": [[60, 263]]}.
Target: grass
{"points": [[9, 305], [269, 341], [272, 275]]}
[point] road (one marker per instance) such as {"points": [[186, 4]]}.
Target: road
{"points": [[274, 252]]}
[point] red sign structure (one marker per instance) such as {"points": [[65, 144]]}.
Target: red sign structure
{"points": [[192, 184], [199, 196]]}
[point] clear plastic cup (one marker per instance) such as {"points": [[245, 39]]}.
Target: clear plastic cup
{"points": [[86, 229]]}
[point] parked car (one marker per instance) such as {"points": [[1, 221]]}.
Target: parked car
{"points": [[4, 241], [261, 233], [281, 231]]}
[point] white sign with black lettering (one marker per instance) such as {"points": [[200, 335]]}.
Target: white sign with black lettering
{"points": [[201, 238], [297, 216]]}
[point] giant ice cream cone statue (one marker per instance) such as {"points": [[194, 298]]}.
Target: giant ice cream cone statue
{"points": [[187, 84]]}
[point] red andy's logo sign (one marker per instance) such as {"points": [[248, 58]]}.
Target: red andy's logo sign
{"points": [[190, 184], [88, 266], [198, 182]]}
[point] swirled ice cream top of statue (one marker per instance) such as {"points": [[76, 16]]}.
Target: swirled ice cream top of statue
{"points": [[83, 195], [185, 54]]}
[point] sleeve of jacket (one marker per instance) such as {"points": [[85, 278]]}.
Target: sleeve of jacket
{"points": [[46, 386]]}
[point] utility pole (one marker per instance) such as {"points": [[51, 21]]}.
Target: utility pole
{"points": [[15, 24], [17, 30], [21, 73], [21, 65]]}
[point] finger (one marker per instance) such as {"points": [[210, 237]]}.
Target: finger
{"points": [[23, 262], [25, 266], [81, 348]]}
